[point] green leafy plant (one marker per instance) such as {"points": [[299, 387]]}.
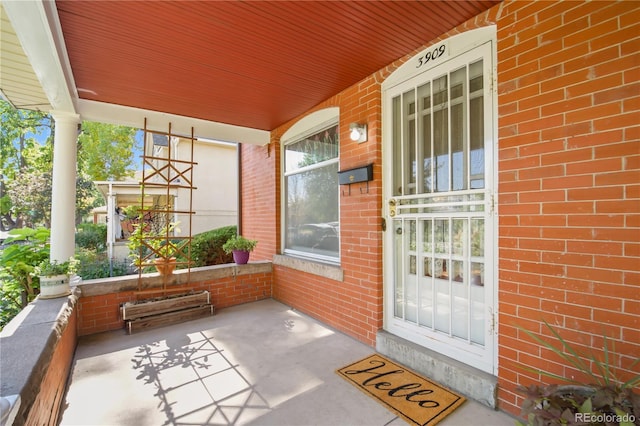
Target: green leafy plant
{"points": [[49, 268], [10, 305], [152, 242], [604, 399], [239, 243], [25, 249]]}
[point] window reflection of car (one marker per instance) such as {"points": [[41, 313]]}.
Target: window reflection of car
{"points": [[322, 236]]}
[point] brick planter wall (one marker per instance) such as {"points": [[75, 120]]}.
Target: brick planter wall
{"points": [[46, 407], [36, 353], [99, 306]]}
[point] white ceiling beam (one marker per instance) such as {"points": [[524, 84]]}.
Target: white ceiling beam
{"points": [[159, 122], [36, 24]]}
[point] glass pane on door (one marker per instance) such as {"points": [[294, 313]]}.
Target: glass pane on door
{"points": [[459, 300], [476, 125], [409, 141], [411, 291], [458, 130], [477, 308], [397, 184], [424, 138], [399, 271], [441, 133], [406, 294]]}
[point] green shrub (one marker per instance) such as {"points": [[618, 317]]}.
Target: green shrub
{"points": [[92, 236], [206, 248], [96, 265]]}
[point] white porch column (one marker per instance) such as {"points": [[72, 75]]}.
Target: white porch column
{"points": [[63, 197], [111, 221]]}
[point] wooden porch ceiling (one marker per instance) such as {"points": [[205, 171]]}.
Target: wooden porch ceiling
{"points": [[253, 64]]}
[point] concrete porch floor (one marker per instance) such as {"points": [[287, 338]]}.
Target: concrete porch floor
{"points": [[254, 364]]}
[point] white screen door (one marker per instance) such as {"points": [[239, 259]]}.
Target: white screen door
{"points": [[439, 240]]}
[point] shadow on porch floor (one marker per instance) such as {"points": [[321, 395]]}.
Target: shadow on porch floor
{"points": [[255, 364]]}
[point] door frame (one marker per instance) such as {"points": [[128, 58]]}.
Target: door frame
{"points": [[425, 61]]}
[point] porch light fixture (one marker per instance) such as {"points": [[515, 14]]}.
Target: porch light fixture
{"points": [[358, 132]]}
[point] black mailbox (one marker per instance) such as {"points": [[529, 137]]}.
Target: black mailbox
{"points": [[358, 174]]}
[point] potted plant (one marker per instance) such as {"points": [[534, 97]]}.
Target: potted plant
{"points": [[55, 277], [606, 399], [147, 243], [241, 248]]}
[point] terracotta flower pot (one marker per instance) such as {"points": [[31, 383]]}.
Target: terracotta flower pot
{"points": [[165, 266]]}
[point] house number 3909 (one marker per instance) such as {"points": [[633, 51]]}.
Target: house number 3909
{"points": [[431, 55]]}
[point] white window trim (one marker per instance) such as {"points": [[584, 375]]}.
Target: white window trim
{"points": [[310, 124], [306, 126]]}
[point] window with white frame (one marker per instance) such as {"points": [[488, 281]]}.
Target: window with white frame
{"points": [[311, 211]]}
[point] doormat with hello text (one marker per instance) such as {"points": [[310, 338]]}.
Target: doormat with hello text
{"points": [[416, 399]]}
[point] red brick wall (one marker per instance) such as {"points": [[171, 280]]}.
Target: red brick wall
{"points": [[259, 198], [101, 313], [46, 407], [569, 188], [569, 182], [359, 313], [349, 306], [360, 234], [355, 305], [232, 291]]}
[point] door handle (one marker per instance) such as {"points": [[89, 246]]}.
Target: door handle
{"points": [[392, 207]]}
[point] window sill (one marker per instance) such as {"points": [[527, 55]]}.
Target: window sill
{"points": [[327, 271]]}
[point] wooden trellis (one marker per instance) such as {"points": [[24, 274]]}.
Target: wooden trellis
{"points": [[164, 174]]}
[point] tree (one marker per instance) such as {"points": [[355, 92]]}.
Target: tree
{"points": [[30, 195], [19, 150], [87, 198], [105, 151]]}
